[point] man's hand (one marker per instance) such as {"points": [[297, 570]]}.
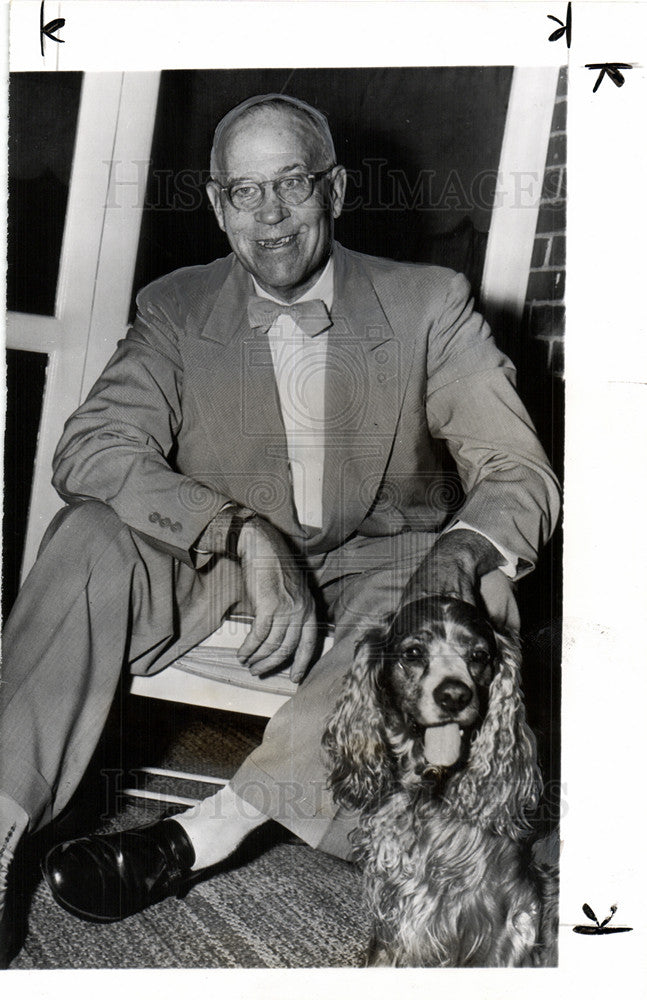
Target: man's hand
{"points": [[454, 567], [284, 611]]}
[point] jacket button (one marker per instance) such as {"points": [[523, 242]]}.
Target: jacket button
{"points": [[154, 517], [165, 522], [176, 526]]}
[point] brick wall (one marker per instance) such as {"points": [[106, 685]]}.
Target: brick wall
{"points": [[544, 315]]}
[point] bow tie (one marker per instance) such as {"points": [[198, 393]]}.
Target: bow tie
{"points": [[312, 317]]}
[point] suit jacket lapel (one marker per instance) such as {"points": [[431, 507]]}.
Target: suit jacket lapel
{"points": [[367, 369], [243, 408]]}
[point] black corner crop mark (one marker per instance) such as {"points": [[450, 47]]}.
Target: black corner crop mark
{"points": [[49, 29], [565, 28], [612, 70], [599, 928]]}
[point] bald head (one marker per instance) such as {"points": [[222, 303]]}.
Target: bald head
{"points": [[281, 113]]}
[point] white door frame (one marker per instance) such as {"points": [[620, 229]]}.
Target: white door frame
{"points": [[520, 180], [102, 224]]}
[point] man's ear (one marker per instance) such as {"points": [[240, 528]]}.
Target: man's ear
{"points": [[337, 190], [214, 197]]}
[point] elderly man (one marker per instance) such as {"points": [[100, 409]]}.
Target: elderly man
{"points": [[270, 432]]}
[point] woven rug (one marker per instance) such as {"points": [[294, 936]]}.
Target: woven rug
{"points": [[275, 904]]}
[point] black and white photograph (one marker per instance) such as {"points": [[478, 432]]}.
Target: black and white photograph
{"points": [[285, 629]]}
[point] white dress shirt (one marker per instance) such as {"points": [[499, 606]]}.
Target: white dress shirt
{"points": [[300, 371]]}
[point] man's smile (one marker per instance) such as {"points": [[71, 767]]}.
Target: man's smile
{"points": [[277, 242]]}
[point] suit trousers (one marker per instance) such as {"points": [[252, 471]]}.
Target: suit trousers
{"points": [[101, 599]]}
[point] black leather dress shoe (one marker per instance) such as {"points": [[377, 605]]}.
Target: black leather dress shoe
{"points": [[106, 877]]}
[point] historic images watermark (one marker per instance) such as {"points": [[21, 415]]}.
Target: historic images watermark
{"points": [[375, 187]]}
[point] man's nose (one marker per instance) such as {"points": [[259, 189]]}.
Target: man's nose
{"points": [[271, 210]]}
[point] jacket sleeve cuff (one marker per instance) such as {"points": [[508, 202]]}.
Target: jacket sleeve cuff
{"points": [[509, 568]]}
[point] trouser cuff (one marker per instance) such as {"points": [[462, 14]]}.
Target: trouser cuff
{"points": [[305, 808]]}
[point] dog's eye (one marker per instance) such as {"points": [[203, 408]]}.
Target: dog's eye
{"points": [[412, 654], [480, 657]]}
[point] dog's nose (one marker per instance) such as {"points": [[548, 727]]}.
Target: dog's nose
{"points": [[452, 695]]}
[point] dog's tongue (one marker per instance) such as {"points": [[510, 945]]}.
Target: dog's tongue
{"points": [[442, 744]]}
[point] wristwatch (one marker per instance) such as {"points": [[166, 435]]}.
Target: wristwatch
{"points": [[220, 537]]}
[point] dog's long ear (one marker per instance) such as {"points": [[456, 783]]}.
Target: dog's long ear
{"points": [[501, 783], [355, 737]]}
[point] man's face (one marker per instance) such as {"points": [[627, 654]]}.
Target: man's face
{"points": [[284, 247]]}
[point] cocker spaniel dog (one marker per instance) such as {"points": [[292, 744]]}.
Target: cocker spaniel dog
{"points": [[429, 741]]}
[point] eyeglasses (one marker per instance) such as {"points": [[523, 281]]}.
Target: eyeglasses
{"points": [[291, 189]]}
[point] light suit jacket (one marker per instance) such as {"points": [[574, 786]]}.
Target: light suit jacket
{"points": [[186, 415]]}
